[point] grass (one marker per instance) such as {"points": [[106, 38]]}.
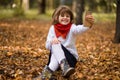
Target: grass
{"points": [[33, 14], [30, 14], [6, 13], [104, 17]]}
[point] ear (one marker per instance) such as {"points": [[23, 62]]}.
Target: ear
{"points": [[56, 18]]}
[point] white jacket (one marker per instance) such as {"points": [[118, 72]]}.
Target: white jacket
{"points": [[69, 42]]}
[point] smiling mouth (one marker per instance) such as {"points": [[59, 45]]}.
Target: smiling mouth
{"points": [[64, 20]]}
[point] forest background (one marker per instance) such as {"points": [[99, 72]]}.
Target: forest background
{"points": [[24, 25]]}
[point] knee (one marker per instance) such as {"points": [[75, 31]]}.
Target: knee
{"points": [[56, 45]]}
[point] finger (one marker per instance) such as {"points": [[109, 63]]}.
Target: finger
{"points": [[90, 19]]}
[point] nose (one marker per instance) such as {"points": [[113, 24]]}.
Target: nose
{"points": [[65, 17]]}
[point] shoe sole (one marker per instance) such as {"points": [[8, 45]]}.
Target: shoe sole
{"points": [[69, 72]]}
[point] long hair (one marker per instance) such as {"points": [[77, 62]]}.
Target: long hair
{"points": [[61, 10]]}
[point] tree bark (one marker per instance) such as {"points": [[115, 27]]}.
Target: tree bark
{"points": [[66, 2], [117, 34], [25, 5], [62, 2], [79, 11], [42, 6]]}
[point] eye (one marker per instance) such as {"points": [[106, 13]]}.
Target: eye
{"points": [[68, 16], [62, 15]]}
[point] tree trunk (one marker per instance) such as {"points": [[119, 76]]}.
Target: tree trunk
{"points": [[109, 6], [42, 6], [117, 34], [66, 2], [79, 11], [18, 3], [25, 5], [62, 2]]}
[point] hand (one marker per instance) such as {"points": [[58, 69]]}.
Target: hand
{"points": [[55, 41], [89, 20]]}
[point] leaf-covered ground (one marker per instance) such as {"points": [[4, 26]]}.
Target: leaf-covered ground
{"points": [[23, 54]]}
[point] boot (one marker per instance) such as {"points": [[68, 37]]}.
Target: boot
{"points": [[45, 75], [66, 69]]}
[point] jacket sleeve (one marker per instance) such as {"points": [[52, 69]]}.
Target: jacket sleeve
{"points": [[78, 29], [49, 38]]}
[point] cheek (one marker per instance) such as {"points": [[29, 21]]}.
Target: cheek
{"points": [[60, 19], [69, 19]]}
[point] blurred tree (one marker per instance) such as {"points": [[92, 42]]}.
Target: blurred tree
{"points": [[56, 3], [18, 3], [49, 4], [117, 34], [42, 6], [33, 4], [66, 2], [100, 5], [25, 5], [106, 5], [18, 10], [62, 2], [6, 3], [79, 11], [91, 5], [109, 6]]}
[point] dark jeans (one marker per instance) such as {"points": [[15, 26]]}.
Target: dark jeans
{"points": [[70, 58]]}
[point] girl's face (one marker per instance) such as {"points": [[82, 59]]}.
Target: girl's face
{"points": [[64, 19]]}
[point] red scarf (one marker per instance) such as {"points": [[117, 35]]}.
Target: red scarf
{"points": [[62, 30]]}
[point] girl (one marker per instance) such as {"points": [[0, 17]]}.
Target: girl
{"points": [[61, 42]]}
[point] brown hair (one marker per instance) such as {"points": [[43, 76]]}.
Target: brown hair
{"points": [[61, 10]]}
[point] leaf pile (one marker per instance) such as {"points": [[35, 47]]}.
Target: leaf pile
{"points": [[23, 54]]}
